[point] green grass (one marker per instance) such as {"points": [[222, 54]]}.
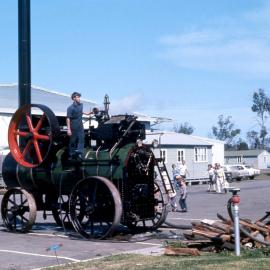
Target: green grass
{"points": [[251, 259]]}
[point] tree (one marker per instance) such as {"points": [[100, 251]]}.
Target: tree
{"points": [[185, 128], [225, 131], [241, 145], [261, 106], [253, 139]]}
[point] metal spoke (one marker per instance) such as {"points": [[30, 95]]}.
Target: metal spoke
{"points": [[9, 200], [24, 218], [38, 153], [21, 133], [29, 123], [43, 137], [24, 202], [40, 121], [26, 149], [14, 199]]}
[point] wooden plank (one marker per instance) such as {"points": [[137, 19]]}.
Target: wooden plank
{"points": [[253, 226], [225, 220], [203, 241], [261, 224], [172, 251], [206, 227], [218, 227], [212, 235], [222, 226]]}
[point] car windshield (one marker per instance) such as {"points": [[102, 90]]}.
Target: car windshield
{"points": [[235, 167]]}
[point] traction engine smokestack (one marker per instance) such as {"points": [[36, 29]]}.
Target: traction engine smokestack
{"points": [[24, 40]]}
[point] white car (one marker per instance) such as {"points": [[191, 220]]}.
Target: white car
{"points": [[252, 172], [237, 171]]}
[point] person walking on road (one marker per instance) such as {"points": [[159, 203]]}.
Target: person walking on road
{"points": [[222, 183], [183, 193], [175, 173], [212, 182]]}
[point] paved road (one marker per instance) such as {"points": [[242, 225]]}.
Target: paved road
{"points": [[201, 204], [28, 251]]}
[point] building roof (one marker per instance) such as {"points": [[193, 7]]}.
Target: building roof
{"points": [[173, 138], [57, 102], [238, 153], [209, 140]]}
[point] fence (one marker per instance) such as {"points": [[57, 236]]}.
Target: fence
{"points": [[198, 181]]}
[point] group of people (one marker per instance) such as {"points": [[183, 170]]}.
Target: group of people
{"points": [[179, 177], [217, 179]]}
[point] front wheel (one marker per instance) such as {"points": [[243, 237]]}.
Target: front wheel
{"points": [[18, 209]]}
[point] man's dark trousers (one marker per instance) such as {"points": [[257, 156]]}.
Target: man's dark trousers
{"points": [[77, 137]]}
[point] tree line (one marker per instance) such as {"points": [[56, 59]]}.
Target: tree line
{"points": [[226, 130]]}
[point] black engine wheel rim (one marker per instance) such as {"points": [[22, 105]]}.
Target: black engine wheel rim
{"points": [[18, 210], [98, 201], [160, 215], [60, 210]]}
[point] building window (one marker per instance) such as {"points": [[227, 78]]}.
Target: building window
{"points": [[200, 154], [180, 155], [239, 159], [163, 154]]}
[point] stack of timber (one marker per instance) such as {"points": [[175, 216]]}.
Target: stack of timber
{"points": [[208, 235]]}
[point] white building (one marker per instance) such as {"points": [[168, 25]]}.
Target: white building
{"points": [[198, 152], [258, 158]]}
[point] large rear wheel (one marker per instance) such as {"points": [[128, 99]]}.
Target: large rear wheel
{"points": [[95, 207]]}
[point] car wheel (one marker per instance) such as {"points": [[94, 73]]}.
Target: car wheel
{"points": [[229, 180]]}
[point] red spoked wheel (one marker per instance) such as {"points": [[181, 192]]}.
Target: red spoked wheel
{"points": [[32, 131]]}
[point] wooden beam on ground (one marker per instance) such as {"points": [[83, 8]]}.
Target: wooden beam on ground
{"points": [[172, 251]]}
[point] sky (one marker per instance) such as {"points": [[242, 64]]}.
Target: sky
{"points": [[190, 61]]}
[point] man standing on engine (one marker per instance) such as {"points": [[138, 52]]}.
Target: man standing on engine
{"points": [[75, 127]]}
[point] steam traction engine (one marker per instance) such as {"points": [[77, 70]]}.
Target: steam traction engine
{"points": [[113, 184]]}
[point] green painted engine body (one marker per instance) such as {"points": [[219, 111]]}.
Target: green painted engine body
{"points": [[117, 154], [130, 168]]}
